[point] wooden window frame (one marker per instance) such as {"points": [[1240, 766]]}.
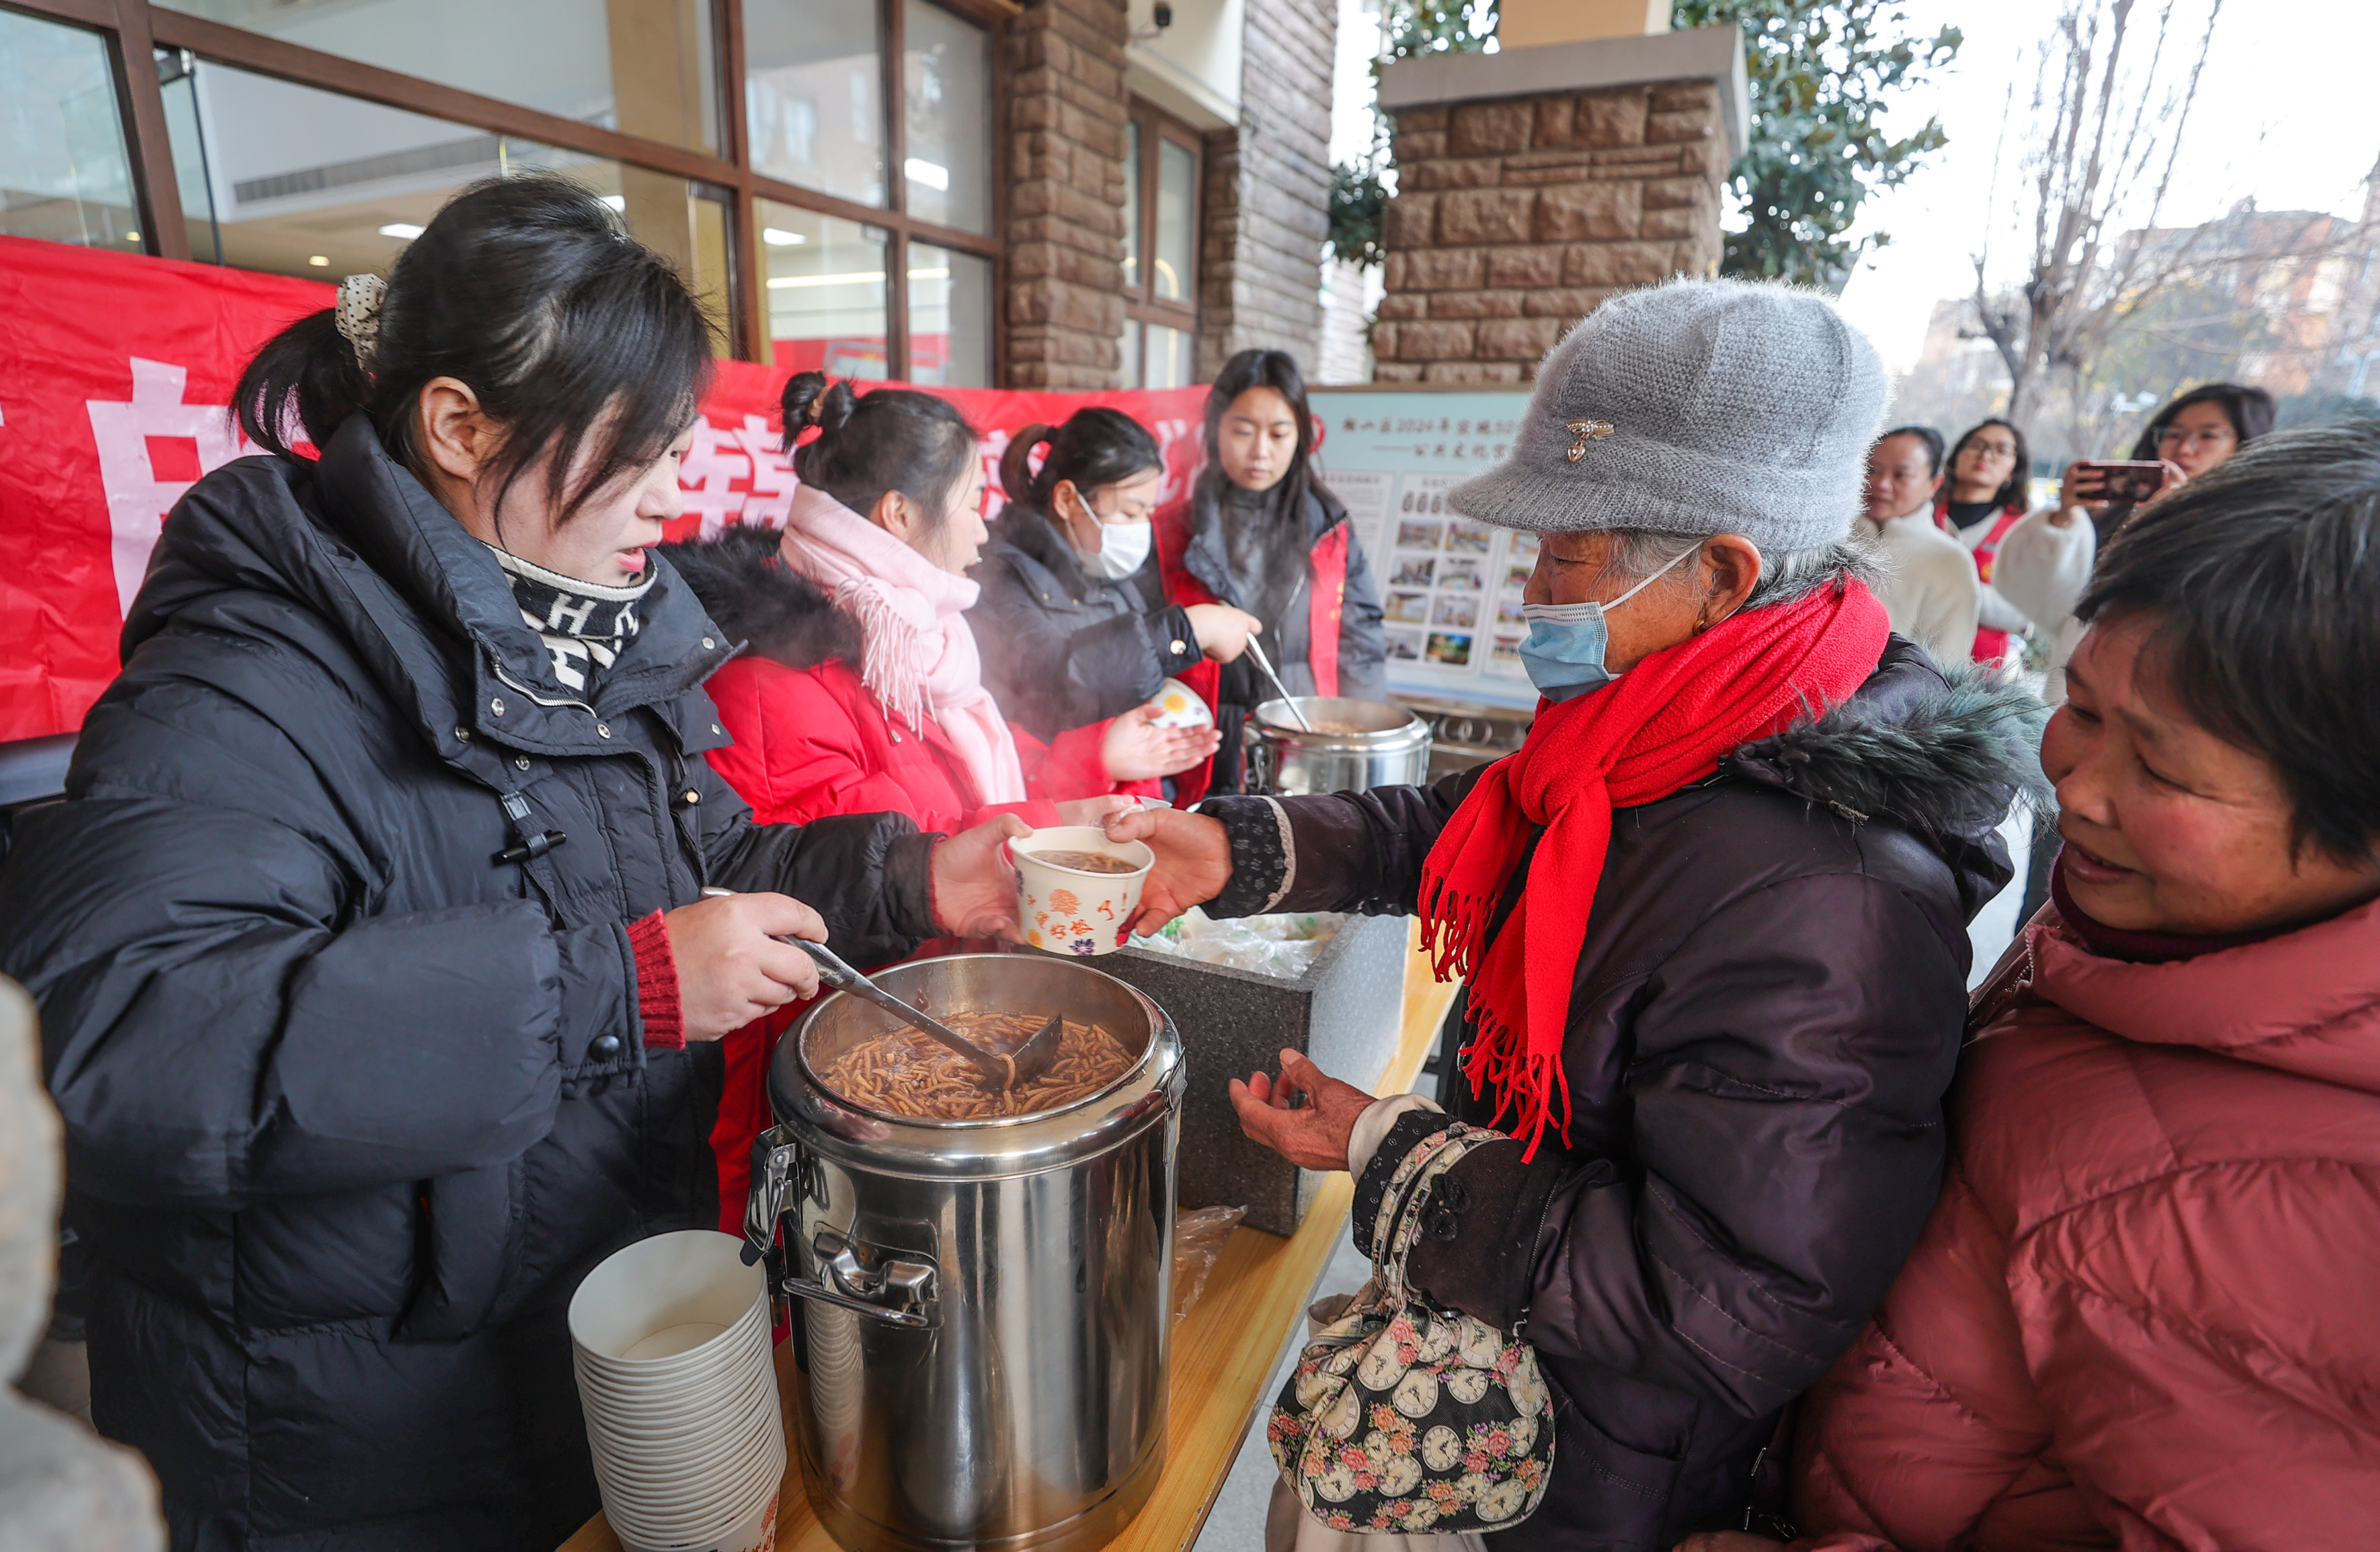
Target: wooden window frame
{"points": [[1141, 305], [133, 30]]}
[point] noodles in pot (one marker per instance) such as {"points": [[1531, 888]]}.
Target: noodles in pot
{"points": [[904, 1072]]}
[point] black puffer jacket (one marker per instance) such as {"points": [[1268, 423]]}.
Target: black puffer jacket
{"points": [[1063, 648], [1767, 1008], [351, 1105]]}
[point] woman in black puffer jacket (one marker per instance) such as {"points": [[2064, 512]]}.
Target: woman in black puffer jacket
{"points": [[376, 991], [1072, 619]]}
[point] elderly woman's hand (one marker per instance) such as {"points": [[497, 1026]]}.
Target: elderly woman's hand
{"points": [[1305, 1115], [1194, 861]]}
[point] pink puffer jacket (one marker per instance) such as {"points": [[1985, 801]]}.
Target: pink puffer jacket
{"points": [[2146, 1312]]}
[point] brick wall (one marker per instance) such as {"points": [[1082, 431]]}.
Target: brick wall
{"points": [[1267, 190], [1064, 306], [1515, 218]]}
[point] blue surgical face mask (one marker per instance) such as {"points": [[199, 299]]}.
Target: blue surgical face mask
{"points": [[1564, 651]]}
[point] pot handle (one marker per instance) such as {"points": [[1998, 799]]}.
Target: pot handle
{"points": [[896, 1292], [1256, 760], [776, 1165]]}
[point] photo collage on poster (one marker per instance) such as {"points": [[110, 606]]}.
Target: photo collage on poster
{"points": [[1449, 587]]}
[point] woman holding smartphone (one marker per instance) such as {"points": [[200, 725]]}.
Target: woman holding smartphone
{"points": [[2045, 562]]}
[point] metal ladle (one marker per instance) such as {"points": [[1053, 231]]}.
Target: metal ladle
{"points": [[1033, 1059], [1287, 700]]}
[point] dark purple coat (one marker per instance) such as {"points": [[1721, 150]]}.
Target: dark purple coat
{"points": [[1768, 1009]]}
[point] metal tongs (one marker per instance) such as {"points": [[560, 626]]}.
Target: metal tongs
{"points": [[1032, 1059], [1287, 700]]}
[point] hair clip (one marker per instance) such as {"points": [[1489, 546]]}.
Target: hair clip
{"points": [[1582, 431], [357, 314]]}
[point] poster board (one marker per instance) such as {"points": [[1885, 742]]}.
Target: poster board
{"points": [[1450, 589]]}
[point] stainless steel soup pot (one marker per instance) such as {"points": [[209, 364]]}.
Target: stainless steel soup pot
{"points": [[980, 1310], [1381, 745]]}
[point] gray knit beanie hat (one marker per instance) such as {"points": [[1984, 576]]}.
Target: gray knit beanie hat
{"points": [[1700, 406]]}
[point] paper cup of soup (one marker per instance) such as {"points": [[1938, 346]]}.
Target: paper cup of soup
{"points": [[1076, 889]]}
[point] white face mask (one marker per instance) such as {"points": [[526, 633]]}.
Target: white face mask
{"points": [[1123, 547]]}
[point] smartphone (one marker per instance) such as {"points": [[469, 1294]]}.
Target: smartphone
{"points": [[2123, 480]]}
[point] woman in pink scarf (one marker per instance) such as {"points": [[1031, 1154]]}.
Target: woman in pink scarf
{"points": [[859, 689]]}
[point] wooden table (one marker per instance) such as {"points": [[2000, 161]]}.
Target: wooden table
{"points": [[1223, 1350]]}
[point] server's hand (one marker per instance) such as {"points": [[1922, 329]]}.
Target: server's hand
{"points": [[1222, 631], [975, 889], [731, 969], [1194, 861]]}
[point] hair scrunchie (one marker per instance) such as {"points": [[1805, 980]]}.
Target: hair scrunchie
{"points": [[359, 314]]}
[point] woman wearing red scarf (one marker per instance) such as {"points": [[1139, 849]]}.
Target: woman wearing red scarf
{"points": [[1712, 916]]}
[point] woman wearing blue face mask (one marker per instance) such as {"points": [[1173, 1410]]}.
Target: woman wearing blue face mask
{"points": [[1569, 643], [1072, 619], [1710, 918]]}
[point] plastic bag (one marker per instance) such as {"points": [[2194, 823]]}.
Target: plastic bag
{"points": [[1285, 945], [1197, 1240]]}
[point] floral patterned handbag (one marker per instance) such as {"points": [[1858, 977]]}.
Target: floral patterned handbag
{"points": [[1403, 1417]]}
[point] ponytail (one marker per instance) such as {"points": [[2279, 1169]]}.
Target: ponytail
{"points": [[572, 335], [1016, 467], [891, 439], [1097, 446], [306, 378]]}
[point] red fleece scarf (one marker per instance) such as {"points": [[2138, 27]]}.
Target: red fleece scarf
{"points": [[1662, 725]]}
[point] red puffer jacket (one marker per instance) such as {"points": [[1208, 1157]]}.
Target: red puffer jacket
{"points": [[2143, 1313], [810, 741], [813, 742]]}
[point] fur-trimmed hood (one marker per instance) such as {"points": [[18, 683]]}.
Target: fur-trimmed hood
{"points": [[758, 600], [1943, 755]]}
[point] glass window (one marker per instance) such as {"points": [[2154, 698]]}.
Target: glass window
{"points": [[1177, 173], [814, 96], [825, 279], [64, 173], [1166, 362], [1132, 204], [641, 66], [950, 318], [946, 102], [295, 180]]}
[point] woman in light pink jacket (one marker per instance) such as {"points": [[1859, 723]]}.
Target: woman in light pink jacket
{"points": [[2145, 1315]]}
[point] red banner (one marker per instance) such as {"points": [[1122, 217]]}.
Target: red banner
{"points": [[115, 380]]}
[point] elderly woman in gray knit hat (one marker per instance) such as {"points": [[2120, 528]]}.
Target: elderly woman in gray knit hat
{"points": [[1711, 917]]}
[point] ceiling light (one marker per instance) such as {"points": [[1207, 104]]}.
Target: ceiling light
{"points": [[617, 201], [933, 175], [319, 260], [778, 238], [403, 231], [131, 236]]}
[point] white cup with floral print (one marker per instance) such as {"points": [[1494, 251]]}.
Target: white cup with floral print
{"points": [[1076, 889]]}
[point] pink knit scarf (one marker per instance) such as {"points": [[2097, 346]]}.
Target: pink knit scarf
{"points": [[917, 657]]}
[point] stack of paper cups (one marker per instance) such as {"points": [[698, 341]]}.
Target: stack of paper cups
{"points": [[671, 1337]]}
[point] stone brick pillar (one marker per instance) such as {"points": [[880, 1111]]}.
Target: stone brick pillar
{"points": [[1064, 304], [1533, 183], [1265, 206]]}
